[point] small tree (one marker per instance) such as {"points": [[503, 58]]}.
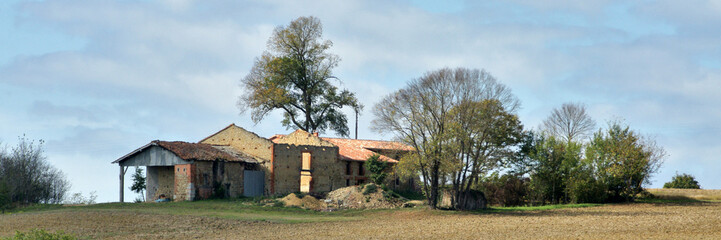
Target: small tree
{"points": [[377, 169], [139, 182], [682, 181]]}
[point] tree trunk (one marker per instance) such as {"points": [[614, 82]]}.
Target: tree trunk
{"points": [[435, 170]]}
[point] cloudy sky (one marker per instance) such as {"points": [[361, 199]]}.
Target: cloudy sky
{"points": [[98, 79]]}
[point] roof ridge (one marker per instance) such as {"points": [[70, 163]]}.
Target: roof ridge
{"points": [[206, 138], [363, 139]]}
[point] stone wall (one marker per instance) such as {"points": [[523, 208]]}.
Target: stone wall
{"points": [[247, 142], [355, 177], [160, 180], [228, 175], [326, 169], [242, 140]]}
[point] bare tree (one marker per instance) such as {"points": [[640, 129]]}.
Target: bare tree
{"points": [[27, 177], [570, 122]]}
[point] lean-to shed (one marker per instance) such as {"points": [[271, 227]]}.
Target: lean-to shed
{"points": [[190, 171]]}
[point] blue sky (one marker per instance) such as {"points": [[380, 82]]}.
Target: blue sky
{"points": [[97, 79]]}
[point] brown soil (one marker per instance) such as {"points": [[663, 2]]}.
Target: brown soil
{"points": [[700, 220], [307, 202]]}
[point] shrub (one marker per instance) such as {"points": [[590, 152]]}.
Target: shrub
{"points": [[278, 204], [219, 191], [299, 194], [41, 234], [370, 188], [682, 181], [583, 188], [506, 190], [377, 169]]}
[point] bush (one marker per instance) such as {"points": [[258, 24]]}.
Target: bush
{"points": [[682, 181], [77, 198], [377, 169], [278, 203], [506, 190], [583, 188], [41, 234], [299, 194], [219, 191], [370, 188]]}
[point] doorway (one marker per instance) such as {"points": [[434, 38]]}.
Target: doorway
{"points": [[306, 177]]}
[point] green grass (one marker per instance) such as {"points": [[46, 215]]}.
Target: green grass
{"points": [[248, 209], [34, 208], [239, 209]]}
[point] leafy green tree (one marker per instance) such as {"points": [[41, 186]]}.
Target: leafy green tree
{"points": [[553, 164], [682, 181], [139, 182], [484, 137], [623, 161], [294, 76], [377, 169], [461, 123]]}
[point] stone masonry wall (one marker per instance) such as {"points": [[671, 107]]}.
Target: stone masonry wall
{"points": [[248, 142], [160, 180], [326, 169], [228, 174]]}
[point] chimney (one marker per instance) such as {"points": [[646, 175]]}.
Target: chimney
{"points": [[315, 134]]}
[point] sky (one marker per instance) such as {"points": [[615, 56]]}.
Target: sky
{"points": [[98, 79]]}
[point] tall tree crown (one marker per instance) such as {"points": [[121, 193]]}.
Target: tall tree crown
{"points": [[570, 122], [294, 76]]}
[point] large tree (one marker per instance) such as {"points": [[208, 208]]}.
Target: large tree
{"points": [[294, 75], [460, 121], [570, 122]]}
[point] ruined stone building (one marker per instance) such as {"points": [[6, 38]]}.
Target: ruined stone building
{"points": [[236, 162]]}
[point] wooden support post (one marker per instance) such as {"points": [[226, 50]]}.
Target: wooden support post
{"points": [[122, 183]]}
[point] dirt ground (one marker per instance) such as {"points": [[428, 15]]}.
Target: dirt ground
{"points": [[688, 220]]}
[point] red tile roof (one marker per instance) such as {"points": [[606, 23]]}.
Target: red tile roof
{"points": [[195, 152], [360, 150], [203, 152]]}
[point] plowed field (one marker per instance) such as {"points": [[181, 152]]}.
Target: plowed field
{"points": [[666, 220]]}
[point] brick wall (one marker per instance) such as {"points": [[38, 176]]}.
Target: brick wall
{"points": [[183, 182]]}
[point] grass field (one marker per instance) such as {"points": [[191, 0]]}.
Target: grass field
{"points": [[666, 219]]}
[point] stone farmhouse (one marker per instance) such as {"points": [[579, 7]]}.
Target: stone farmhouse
{"points": [[235, 162]]}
